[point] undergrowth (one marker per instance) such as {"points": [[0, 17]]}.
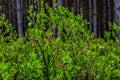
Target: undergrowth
{"points": [[74, 54]]}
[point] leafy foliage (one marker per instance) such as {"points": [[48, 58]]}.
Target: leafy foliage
{"points": [[74, 54]]}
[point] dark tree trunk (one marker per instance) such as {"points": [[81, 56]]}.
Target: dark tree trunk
{"points": [[95, 17], [1, 5], [85, 9], [104, 15], [78, 6], [90, 15], [19, 16]]}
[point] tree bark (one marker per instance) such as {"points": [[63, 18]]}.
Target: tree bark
{"points": [[104, 19], [95, 17], [117, 14], [78, 6], [1, 2], [19, 16], [60, 2], [90, 15]]}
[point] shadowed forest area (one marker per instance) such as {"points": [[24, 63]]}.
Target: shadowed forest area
{"points": [[59, 39]]}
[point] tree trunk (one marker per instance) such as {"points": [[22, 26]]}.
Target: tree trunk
{"points": [[117, 14], [90, 15], [78, 6], [1, 2], [104, 19], [85, 9], [60, 2], [95, 17], [19, 16]]}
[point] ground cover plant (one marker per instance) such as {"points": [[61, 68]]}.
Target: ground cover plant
{"points": [[74, 55]]}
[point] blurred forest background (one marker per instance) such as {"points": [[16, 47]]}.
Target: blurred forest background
{"points": [[98, 12]]}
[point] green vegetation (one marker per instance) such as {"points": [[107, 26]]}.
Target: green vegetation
{"points": [[74, 55]]}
